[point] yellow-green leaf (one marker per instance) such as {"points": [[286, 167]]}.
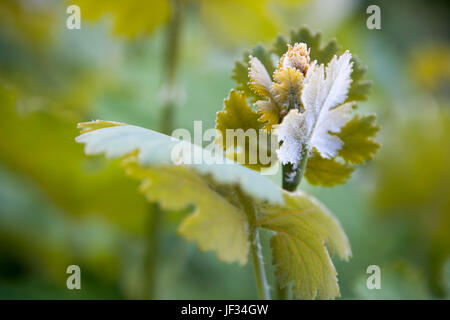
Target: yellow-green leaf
{"points": [[306, 233], [270, 113], [218, 222], [326, 172], [357, 137], [360, 88], [288, 86], [238, 115], [304, 230]]}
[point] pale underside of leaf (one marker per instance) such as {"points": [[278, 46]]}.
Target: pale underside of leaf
{"points": [[320, 95], [330, 122], [292, 132], [241, 70], [148, 157], [303, 227], [260, 80]]}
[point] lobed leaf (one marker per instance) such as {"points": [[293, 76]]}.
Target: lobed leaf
{"points": [[360, 88], [302, 226], [269, 112], [218, 223], [322, 52], [305, 236], [357, 137], [238, 115], [326, 172]]}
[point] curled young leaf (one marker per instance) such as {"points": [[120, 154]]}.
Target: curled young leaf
{"points": [[260, 80], [241, 69], [287, 87], [270, 113]]}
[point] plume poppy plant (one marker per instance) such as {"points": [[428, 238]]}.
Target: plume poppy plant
{"points": [[308, 107]]}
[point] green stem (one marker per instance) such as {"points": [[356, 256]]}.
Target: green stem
{"points": [[166, 126], [154, 220], [262, 285], [292, 176], [170, 66]]}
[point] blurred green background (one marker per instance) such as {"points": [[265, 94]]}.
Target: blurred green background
{"points": [[58, 207]]}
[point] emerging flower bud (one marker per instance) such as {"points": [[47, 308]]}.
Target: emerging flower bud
{"points": [[296, 57]]}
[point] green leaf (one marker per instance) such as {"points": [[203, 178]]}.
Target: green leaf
{"points": [[359, 88], [357, 136], [240, 70], [322, 52], [304, 230], [326, 172], [218, 223], [305, 236], [237, 114]]}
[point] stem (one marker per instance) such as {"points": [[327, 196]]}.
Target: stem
{"points": [[262, 285], [154, 221], [292, 176], [166, 126], [170, 65]]}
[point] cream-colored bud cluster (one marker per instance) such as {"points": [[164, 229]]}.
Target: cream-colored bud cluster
{"points": [[296, 57]]}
